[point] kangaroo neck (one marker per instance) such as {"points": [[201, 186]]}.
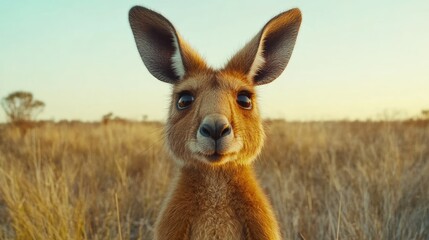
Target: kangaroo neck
{"points": [[220, 181]]}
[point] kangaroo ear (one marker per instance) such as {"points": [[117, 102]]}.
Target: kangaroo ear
{"points": [[265, 57], [165, 54]]}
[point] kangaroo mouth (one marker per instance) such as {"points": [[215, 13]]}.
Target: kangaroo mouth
{"points": [[216, 157], [213, 153]]}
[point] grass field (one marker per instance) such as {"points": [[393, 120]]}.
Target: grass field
{"points": [[326, 180]]}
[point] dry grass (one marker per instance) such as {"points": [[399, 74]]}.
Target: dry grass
{"points": [[339, 180]]}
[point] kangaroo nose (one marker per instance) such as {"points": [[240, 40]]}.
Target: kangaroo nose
{"points": [[215, 129]]}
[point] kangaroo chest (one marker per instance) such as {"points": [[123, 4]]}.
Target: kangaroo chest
{"points": [[216, 216], [216, 205]]}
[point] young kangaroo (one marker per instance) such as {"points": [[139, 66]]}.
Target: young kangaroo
{"points": [[214, 130]]}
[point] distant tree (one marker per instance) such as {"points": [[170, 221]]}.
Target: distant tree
{"points": [[145, 117], [107, 118], [21, 107], [425, 114]]}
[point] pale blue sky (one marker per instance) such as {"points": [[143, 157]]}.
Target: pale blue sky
{"points": [[353, 59]]}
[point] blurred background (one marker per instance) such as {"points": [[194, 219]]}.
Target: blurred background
{"points": [[353, 59]]}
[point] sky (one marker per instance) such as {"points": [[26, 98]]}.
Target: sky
{"points": [[352, 60]]}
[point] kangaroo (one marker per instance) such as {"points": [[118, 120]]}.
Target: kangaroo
{"points": [[214, 129]]}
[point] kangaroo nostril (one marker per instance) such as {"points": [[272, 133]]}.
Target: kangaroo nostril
{"points": [[215, 128], [225, 131], [205, 130]]}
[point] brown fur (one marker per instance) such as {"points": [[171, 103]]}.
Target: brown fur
{"points": [[217, 203], [218, 199]]}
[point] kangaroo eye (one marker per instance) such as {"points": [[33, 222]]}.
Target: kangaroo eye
{"points": [[243, 99], [185, 100]]}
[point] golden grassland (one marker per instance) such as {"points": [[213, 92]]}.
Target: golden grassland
{"points": [[326, 180]]}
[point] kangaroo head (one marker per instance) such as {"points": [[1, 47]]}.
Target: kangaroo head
{"points": [[214, 116]]}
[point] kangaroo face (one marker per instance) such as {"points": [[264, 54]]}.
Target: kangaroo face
{"points": [[214, 116]]}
